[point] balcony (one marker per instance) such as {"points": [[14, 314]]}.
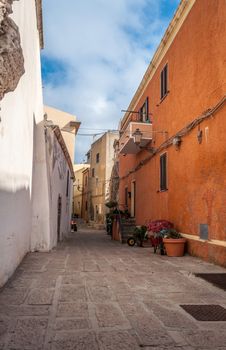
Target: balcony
{"points": [[126, 142]]}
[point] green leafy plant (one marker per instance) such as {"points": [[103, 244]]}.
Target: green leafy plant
{"points": [[125, 214], [140, 233], [170, 233], [111, 204]]}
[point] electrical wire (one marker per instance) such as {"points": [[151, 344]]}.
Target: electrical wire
{"points": [[98, 129], [97, 133], [183, 132]]}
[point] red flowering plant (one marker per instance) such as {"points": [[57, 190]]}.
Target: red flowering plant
{"points": [[158, 229], [163, 229], [159, 225]]}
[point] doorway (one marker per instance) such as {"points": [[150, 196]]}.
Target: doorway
{"points": [[59, 207], [133, 199]]}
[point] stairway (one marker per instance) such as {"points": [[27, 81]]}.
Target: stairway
{"points": [[127, 228], [96, 226]]}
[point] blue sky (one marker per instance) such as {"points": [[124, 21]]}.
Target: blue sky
{"points": [[95, 55]]}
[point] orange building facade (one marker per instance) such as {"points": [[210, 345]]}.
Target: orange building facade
{"points": [[172, 149]]}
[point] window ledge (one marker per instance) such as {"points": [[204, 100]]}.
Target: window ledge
{"points": [[163, 98], [160, 191]]}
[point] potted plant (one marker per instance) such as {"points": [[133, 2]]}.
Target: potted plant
{"points": [[109, 223], [156, 229], [159, 225], [111, 217], [173, 242], [125, 214], [140, 234], [166, 238]]}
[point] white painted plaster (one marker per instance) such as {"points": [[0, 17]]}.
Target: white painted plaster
{"points": [[58, 169], [40, 232], [21, 111]]}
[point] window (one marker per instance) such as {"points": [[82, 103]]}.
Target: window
{"points": [[97, 181], [93, 172], [97, 157], [143, 112], [164, 81], [86, 205], [67, 189], [86, 180], [163, 172]]}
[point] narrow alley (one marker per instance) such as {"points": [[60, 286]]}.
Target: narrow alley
{"points": [[94, 293]]}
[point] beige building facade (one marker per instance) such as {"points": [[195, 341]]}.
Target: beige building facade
{"points": [[68, 126], [85, 194], [101, 159], [78, 188]]}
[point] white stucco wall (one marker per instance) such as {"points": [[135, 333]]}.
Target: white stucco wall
{"points": [[57, 173], [20, 111], [40, 230]]}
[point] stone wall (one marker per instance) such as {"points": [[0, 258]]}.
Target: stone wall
{"points": [[11, 54]]}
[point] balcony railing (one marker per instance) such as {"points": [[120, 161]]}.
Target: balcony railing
{"points": [[126, 142]]}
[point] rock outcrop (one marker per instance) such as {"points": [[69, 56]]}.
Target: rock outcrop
{"points": [[11, 54]]}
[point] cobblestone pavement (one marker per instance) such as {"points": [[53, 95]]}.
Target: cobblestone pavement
{"points": [[93, 293]]}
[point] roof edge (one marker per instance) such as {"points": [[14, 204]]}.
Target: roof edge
{"points": [[62, 143], [170, 33], [38, 4]]}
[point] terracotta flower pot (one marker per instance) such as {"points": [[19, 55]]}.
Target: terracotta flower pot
{"points": [[174, 247]]}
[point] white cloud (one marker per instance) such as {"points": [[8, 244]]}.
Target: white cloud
{"points": [[105, 47]]}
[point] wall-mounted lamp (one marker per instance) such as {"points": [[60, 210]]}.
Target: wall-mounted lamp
{"points": [[137, 136], [79, 188], [177, 141]]}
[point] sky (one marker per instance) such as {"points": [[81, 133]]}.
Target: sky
{"points": [[96, 53]]}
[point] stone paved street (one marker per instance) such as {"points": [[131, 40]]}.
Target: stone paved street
{"points": [[92, 293]]}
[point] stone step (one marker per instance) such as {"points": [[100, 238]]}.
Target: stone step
{"points": [[128, 225], [128, 228], [128, 221]]}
